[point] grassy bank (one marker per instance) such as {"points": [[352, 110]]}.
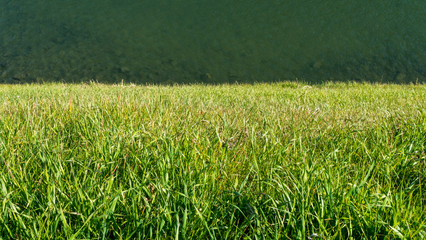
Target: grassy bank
{"points": [[267, 161]]}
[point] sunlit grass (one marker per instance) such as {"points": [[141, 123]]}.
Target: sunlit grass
{"points": [[266, 161]]}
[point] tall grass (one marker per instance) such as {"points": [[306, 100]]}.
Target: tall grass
{"points": [[266, 161]]}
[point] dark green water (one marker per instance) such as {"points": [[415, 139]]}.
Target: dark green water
{"points": [[186, 41]]}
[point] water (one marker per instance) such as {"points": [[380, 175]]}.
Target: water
{"points": [[187, 41]]}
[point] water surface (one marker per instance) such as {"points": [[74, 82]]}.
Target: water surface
{"points": [[174, 41]]}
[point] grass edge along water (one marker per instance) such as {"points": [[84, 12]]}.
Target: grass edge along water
{"points": [[263, 161]]}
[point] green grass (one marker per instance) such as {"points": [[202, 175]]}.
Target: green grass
{"points": [[265, 161]]}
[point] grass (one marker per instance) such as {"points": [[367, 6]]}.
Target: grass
{"points": [[265, 161]]}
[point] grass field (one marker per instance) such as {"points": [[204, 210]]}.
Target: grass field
{"points": [[265, 161]]}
